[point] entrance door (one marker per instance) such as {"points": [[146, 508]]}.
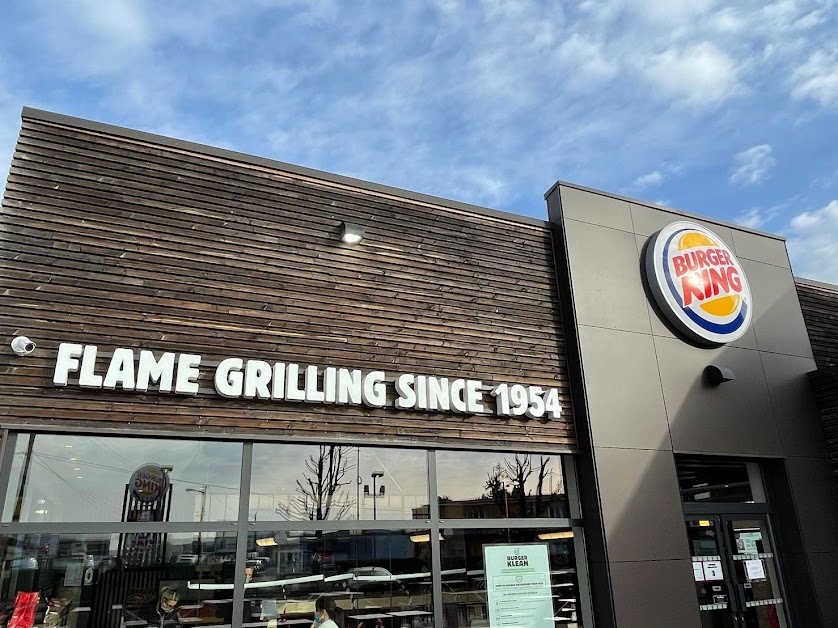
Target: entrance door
{"points": [[735, 571]]}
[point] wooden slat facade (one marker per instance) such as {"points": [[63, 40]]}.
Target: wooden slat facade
{"points": [[122, 240], [819, 303]]}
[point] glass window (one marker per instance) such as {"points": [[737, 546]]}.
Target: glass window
{"points": [[464, 592], [500, 486], [708, 479], [374, 577], [337, 482], [119, 579], [56, 477]]}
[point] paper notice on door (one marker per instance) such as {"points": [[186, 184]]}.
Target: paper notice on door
{"points": [[713, 570], [755, 570], [698, 571]]}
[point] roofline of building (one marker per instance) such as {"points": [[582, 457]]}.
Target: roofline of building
{"points": [[223, 153], [672, 210], [817, 284]]}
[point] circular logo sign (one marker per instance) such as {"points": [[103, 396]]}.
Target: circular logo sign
{"points": [[698, 283], [149, 483]]}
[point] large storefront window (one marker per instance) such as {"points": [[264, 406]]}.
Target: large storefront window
{"points": [[131, 532]]}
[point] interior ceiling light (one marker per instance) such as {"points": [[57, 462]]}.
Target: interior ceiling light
{"points": [[565, 534], [267, 542], [351, 232]]}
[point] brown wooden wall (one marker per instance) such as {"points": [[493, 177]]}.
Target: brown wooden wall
{"points": [[819, 303], [117, 239]]}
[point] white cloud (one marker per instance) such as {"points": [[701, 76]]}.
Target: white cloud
{"points": [[813, 243], [817, 78], [652, 179], [751, 166], [753, 218], [698, 75]]}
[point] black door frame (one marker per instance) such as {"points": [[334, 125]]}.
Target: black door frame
{"points": [[722, 514]]}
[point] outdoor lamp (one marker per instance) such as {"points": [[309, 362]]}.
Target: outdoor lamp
{"points": [[351, 232]]}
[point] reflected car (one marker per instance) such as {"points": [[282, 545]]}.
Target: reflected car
{"points": [[373, 579]]}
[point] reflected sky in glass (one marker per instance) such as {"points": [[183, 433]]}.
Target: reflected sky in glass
{"points": [[280, 488], [83, 478]]}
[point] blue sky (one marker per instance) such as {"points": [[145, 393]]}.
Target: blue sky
{"points": [[723, 109]]}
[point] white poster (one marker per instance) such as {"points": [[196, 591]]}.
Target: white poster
{"points": [[713, 570], [698, 571], [73, 574], [518, 585], [746, 542], [755, 570]]}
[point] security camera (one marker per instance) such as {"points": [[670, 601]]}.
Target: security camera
{"points": [[22, 345]]}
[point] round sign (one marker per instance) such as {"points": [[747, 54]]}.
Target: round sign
{"points": [[149, 483], [698, 283]]}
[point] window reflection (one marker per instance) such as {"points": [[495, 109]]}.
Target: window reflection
{"points": [[375, 577], [95, 580], [709, 479], [86, 478], [337, 482], [500, 486]]}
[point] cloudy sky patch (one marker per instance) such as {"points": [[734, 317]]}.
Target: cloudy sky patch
{"points": [[485, 102]]}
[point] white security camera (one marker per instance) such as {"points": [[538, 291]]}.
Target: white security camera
{"points": [[22, 345]]}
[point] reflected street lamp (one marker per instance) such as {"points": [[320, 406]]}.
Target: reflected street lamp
{"points": [[203, 492], [375, 475]]}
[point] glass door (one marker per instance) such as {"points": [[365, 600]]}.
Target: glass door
{"points": [[754, 569], [713, 582], [735, 571]]}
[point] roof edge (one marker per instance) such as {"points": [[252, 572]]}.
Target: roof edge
{"points": [[672, 210], [211, 151], [816, 284]]}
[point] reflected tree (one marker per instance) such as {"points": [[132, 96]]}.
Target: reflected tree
{"points": [[507, 482], [325, 473]]}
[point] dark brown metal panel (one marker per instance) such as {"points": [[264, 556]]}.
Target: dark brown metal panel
{"points": [[109, 238]]}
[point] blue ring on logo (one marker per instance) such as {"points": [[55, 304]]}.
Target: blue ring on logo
{"points": [[716, 328]]}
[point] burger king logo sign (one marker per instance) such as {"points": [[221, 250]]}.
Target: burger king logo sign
{"points": [[698, 283]]}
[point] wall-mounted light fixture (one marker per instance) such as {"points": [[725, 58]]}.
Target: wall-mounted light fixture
{"points": [[716, 374], [22, 345], [351, 232]]}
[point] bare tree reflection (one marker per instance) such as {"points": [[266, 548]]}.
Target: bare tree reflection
{"points": [[324, 475], [506, 485]]}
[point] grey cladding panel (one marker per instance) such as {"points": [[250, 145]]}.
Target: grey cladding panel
{"points": [[814, 491], [659, 594], [641, 505], [624, 395], [596, 209], [778, 320], [605, 271], [761, 249], [798, 420], [732, 418], [648, 221]]}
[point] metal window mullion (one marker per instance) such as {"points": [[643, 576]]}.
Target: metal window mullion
{"points": [[243, 528], [503, 524], [81, 527], [341, 524], [436, 558], [7, 451]]}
